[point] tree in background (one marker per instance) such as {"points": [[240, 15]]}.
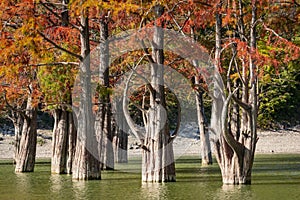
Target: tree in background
{"points": [[239, 28], [20, 50], [56, 77]]}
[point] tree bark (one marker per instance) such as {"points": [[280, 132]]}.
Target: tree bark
{"points": [[120, 141], [64, 131], [65, 13], [235, 150], [63, 142], [158, 159], [206, 155], [103, 116], [26, 149], [86, 163], [18, 121]]}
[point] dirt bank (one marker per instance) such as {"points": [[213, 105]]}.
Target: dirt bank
{"points": [[283, 141]]}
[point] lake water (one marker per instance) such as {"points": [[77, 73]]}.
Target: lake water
{"points": [[274, 177]]}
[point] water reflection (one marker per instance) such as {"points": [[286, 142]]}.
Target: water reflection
{"points": [[23, 184], [154, 191], [56, 183], [80, 189], [234, 192]]}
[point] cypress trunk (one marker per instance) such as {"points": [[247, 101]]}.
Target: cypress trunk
{"points": [[103, 116], [234, 149], [63, 142], [120, 141], [26, 148], [158, 159], [206, 156], [86, 163], [18, 121]]}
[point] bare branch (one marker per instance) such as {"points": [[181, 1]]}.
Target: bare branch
{"points": [[277, 35], [54, 63], [245, 106], [173, 61], [146, 51], [228, 72], [59, 47], [55, 14], [139, 107], [133, 127], [235, 145], [148, 84]]}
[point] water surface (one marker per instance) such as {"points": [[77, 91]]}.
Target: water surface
{"points": [[274, 177]]}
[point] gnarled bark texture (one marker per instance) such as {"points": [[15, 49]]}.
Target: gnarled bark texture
{"points": [[26, 148], [86, 163], [157, 143], [158, 157], [103, 116], [235, 147], [63, 142]]}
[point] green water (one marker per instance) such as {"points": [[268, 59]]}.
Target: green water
{"points": [[274, 177]]}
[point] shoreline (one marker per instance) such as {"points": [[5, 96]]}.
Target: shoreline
{"points": [[270, 142]]}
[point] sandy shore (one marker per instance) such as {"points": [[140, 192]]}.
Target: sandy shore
{"points": [[282, 141]]}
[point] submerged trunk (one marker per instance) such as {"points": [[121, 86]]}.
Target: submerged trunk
{"points": [[26, 148], [63, 142], [158, 159], [18, 121], [86, 163], [157, 144], [235, 150], [206, 156], [119, 128], [120, 146], [103, 116]]}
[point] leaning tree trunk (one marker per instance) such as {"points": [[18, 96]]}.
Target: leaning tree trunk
{"points": [[86, 163], [63, 142], [26, 151], [103, 116], [235, 151]]}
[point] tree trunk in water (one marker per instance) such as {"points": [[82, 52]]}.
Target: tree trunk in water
{"points": [[25, 154], [158, 159], [206, 156], [63, 142], [103, 117], [71, 142], [119, 128], [86, 163], [121, 146], [18, 121], [235, 150]]}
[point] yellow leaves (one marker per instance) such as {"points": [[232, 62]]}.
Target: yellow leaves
{"points": [[234, 77], [97, 8]]}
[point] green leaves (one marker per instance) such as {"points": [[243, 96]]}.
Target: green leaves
{"points": [[56, 83], [280, 96]]}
